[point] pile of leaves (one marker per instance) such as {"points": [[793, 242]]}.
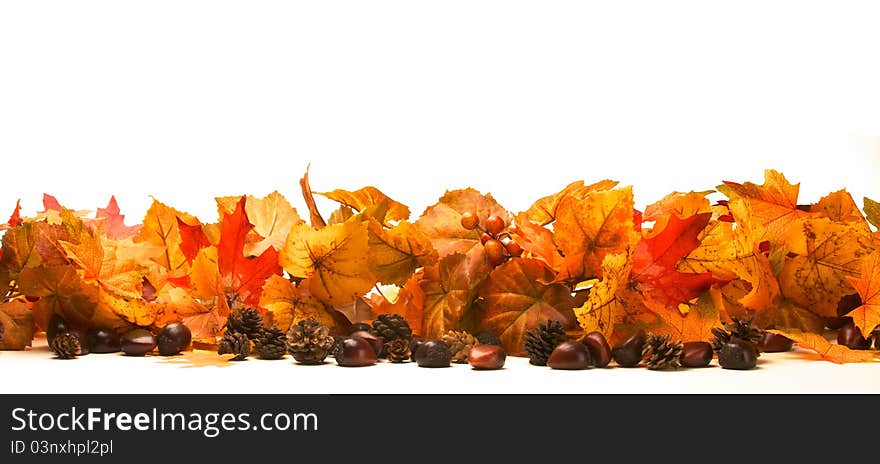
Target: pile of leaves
{"points": [[590, 260]]}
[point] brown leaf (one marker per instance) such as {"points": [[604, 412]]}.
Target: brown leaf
{"points": [[830, 352], [60, 291], [516, 301], [784, 314], [394, 254], [16, 325], [442, 221], [450, 287]]}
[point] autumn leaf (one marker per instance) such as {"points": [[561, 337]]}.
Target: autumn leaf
{"points": [[442, 221], [60, 291], [192, 239], [288, 304], [409, 302], [314, 214], [838, 354], [872, 211], [537, 242], [334, 259], [678, 204], [243, 276], [694, 325], [450, 288], [840, 207], [655, 259], [394, 254], [15, 219], [594, 227], [603, 308], [826, 254], [114, 222], [161, 228], [867, 316], [16, 325], [784, 314], [773, 204], [544, 210], [366, 197], [517, 298]]}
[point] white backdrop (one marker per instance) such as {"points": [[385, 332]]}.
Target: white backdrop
{"points": [[186, 100]]}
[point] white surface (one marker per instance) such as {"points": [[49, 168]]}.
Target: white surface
{"points": [[36, 371], [187, 100]]}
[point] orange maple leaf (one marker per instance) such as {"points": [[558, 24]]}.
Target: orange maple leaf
{"points": [[867, 316], [544, 210], [838, 354], [442, 221], [773, 204], [450, 288]]}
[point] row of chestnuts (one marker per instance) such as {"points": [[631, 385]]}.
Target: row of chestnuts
{"points": [[172, 339]]}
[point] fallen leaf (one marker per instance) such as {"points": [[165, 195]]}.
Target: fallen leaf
{"points": [[114, 222], [867, 316], [161, 229], [409, 303], [16, 325], [517, 299], [603, 308], [450, 288], [544, 210], [60, 291], [840, 207], [679, 204], [15, 219], [773, 204], [394, 254], [838, 354], [595, 226], [334, 259], [314, 214], [272, 217], [694, 325], [826, 254], [288, 304], [872, 211], [784, 314], [442, 221], [366, 197]]}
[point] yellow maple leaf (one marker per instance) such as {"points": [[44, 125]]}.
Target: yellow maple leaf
{"points": [[334, 259], [161, 229], [288, 304], [867, 316], [773, 205], [602, 309], [394, 254]]}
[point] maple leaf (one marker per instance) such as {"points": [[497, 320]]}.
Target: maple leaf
{"points": [[655, 260], [784, 314], [243, 276], [595, 226], [15, 219], [192, 239], [604, 307], [537, 242], [334, 259], [52, 210], [678, 204], [838, 354], [729, 253], [872, 211], [867, 316], [450, 288], [161, 228], [272, 217], [367, 197], [544, 210], [409, 302], [826, 254], [60, 291], [287, 304], [840, 207], [394, 254], [517, 298], [694, 325], [442, 221], [16, 325], [114, 222], [773, 204]]}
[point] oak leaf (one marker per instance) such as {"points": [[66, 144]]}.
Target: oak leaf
{"points": [[826, 254], [544, 210], [517, 298], [838, 354], [450, 288], [772, 204], [442, 221], [394, 254], [334, 259], [16, 325], [867, 316], [595, 226]]}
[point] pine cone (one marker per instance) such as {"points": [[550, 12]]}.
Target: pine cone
{"points": [[661, 353], [235, 343], [460, 344], [398, 350], [66, 345], [248, 321], [391, 327], [309, 342], [741, 328], [488, 337], [271, 344], [541, 341]]}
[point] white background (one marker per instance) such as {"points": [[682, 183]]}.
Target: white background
{"points": [[186, 100]]}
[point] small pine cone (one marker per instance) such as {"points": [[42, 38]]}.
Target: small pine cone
{"points": [[661, 353], [235, 343], [398, 350], [742, 328], [66, 345], [309, 342], [541, 341], [271, 344], [248, 321], [488, 337], [460, 344], [391, 327]]}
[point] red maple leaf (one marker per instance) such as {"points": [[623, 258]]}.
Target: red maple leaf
{"points": [[655, 260], [243, 275], [15, 219], [114, 222]]}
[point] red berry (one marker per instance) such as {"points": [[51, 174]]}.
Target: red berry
{"points": [[469, 220], [513, 248], [485, 238], [495, 224], [494, 252]]}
